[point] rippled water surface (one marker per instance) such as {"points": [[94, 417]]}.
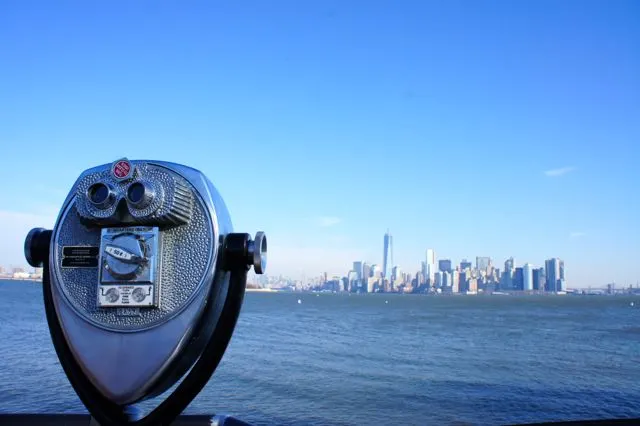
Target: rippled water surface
{"points": [[340, 359]]}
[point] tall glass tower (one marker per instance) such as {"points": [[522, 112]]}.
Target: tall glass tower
{"points": [[554, 268], [431, 266], [387, 256]]}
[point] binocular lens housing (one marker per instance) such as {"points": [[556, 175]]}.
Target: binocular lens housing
{"points": [[100, 195], [140, 194], [136, 192]]}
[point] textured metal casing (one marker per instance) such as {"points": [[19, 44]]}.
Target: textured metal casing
{"points": [[124, 352], [172, 203]]}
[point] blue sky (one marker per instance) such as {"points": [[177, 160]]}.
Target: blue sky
{"points": [[474, 128]]}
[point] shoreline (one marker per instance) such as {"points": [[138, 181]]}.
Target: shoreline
{"points": [[20, 279], [261, 290], [577, 292]]}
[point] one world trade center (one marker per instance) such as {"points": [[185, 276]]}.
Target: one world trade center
{"points": [[387, 256]]}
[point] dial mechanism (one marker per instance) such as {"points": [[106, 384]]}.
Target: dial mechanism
{"points": [[126, 256], [128, 267]]}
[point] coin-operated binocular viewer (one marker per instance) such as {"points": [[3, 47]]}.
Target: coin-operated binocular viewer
{"points": [[143, 282]]}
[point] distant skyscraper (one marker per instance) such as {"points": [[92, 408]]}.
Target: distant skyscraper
{"points": [[431, 265], [538, 279], [527, 270], [465, 265], [482, 263], [357, 268], [555, 279], [518, 279], [438, 279], [472, 285], [431, 257], [423, 273], [455, 281], [509, 264], [366, 271], [506, 282], [387, 256], [463, 282], [345, 284], [376, 271], [371, 284], [446, 279], [396, 274], [444, 265], [353, 281]]}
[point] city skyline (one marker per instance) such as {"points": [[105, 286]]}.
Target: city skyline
{"points": [[429, 266], [435, 275], [448, 277], [498, 128]]}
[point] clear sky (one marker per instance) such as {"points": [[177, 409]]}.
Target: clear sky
{"points": [[505, 128]]}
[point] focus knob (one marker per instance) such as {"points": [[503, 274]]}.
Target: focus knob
{"points": [[241, 252], [36, 245], [257, 252]]}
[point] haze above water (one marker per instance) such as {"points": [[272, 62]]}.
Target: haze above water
{"points": [[400, 359]]}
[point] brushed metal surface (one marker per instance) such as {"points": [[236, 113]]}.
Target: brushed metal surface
{"points": [[187, 263], [125, 354]]}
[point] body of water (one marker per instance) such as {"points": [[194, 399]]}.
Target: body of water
{"points": [[399, 359]]}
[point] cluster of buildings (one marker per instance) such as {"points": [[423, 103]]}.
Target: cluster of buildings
{"points": [[443, 276], [20, 274]]}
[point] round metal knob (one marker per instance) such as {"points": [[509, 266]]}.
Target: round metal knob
{"points": [[241, 252], [36, 245], [257, 251]]}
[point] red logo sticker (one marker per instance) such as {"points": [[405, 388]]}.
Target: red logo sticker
{"points": [[121, 169]]}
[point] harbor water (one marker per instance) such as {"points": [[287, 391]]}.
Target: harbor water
{"points": [[339, 359]]}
